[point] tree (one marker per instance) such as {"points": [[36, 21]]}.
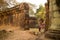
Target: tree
{"points": [[4, 4], [40, 12]]}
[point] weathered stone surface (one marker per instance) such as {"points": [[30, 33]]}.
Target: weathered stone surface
{"points": [[54, 28]]}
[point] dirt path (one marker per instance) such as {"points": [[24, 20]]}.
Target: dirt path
{"points": [[17, 35]]}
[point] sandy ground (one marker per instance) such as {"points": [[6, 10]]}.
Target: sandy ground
{"points": [[15, 33]]}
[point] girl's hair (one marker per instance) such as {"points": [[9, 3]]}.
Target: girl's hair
{"points": [[41, 20]]}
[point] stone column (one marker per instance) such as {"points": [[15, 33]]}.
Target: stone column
{"points": [[54, 16], [47, 17]]}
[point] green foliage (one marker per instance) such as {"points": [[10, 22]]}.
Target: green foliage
{"points": [[41, 8], [40, 12]]}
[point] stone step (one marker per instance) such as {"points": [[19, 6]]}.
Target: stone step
{"points": [[53, 35]]}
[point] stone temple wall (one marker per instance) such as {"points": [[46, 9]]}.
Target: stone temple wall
{"points": [[54, 15], [15, 16], [54, 20]]}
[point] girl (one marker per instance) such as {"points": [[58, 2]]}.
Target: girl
{"points": [[41, 25]]}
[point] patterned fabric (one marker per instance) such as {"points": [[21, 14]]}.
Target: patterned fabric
{"points": [[42, 25]]}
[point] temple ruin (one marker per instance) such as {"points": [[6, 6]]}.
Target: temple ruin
{"points": [[15, 16]]}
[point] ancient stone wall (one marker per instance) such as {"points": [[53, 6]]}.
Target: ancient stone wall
{"points": [[54, 14], [54, 20], [15, 16]]}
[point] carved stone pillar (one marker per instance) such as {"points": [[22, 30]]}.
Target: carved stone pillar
{"points": [[54, 16]]}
